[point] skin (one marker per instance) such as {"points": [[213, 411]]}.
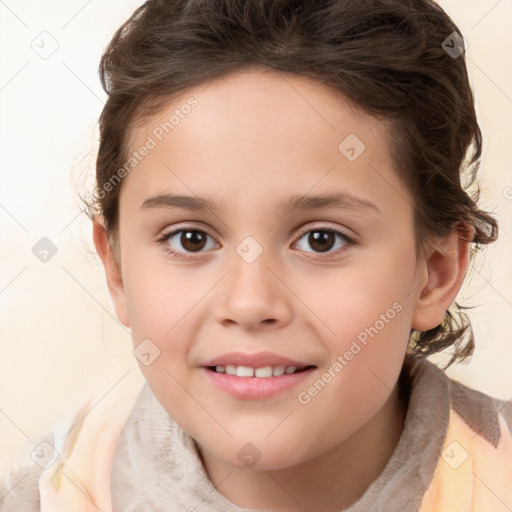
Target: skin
{"points": [[254, 138]]}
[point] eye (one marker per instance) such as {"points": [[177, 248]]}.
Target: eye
{"points": [[183, 241], [323, 240]]}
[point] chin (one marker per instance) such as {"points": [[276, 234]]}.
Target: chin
{"points": [[259, 456]]}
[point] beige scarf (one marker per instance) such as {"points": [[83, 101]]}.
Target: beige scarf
{"points": [[471, 476]]}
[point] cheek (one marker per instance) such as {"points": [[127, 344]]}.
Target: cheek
{"points": [[365, 318], [164, 302], [158, 294], [364, 295]]}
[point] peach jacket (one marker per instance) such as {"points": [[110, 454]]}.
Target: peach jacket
{"points": [[473, 472]]}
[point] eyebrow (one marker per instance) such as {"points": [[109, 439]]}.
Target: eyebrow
{"points": [[337, 200]]}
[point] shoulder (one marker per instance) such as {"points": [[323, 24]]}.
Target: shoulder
{"points": [[19, 486], [488, 417], [72, 438], [504, 409]]}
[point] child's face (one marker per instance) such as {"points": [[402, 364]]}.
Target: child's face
{"points": [[343, 309]]}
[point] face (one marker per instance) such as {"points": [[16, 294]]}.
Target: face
{"points": [[293, 253]]}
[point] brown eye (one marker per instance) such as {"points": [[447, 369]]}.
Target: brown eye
{"points": [[322, 240], [186, 241], [193, 240]]}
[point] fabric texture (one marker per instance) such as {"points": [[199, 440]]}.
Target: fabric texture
{"points": [[454, 455]]}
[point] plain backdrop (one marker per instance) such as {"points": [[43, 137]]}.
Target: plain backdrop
{"points": [[59, 338]]}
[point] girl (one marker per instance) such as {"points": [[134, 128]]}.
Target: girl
{"points": [[314, 154]]}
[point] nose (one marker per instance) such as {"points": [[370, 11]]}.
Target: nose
{"points": [[254, 297]]}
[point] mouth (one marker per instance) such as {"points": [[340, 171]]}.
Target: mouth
{"points": [[258, 376], [262, 372]]}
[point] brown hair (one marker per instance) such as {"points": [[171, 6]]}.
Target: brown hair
{"points": [[388, 57]]}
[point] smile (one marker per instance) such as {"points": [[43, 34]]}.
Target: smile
{"points": [[247, 383], [261, 372]]}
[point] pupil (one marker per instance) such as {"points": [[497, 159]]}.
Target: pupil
{"points": [[191, 239], [321, 240]]}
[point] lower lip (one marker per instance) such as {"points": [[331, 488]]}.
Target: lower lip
{"points": [[255, 388]]}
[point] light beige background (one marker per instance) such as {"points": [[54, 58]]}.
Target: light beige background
{"points": [[59, 338]]}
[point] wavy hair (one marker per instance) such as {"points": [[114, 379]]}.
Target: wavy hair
{"points": [[388, 57]]}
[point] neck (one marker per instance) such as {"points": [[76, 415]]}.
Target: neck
{"points": [[333, 481]]}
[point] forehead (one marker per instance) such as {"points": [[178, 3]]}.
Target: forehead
{"points": [[262, 130], [260, 101]]}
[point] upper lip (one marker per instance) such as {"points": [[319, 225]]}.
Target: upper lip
{"points": [[254, 360]]}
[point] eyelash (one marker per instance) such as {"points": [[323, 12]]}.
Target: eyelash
{"points": [[181, 256]]}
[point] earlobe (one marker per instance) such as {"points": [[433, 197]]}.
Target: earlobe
{"points": [[446, 267], [112, 270]]}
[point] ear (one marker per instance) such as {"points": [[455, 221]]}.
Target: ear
{"points": [[112, 270], [446, 266]]}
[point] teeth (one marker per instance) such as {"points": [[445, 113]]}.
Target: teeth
{"points": [[262, 372], [244, 371], [278, 370]]}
